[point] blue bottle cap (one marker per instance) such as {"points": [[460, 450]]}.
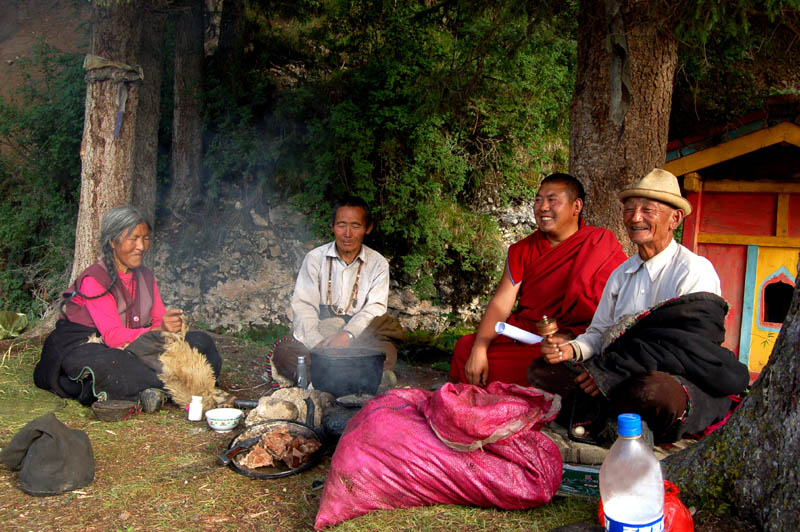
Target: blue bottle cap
{"points": [[629, 425]]}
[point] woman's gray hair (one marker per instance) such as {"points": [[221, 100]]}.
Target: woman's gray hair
{"points": [[119, 222]]}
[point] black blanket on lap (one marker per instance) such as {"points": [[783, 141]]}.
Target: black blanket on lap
{"points": [[682, 337], [72, 366]]}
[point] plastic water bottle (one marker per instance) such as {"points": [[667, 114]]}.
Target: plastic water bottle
{"points": [[631, 485], [302, 373]]}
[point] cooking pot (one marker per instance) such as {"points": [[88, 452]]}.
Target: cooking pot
{"points": [[347, 370]]}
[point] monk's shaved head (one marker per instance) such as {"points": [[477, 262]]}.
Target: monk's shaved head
{"points": [[574, 187]]}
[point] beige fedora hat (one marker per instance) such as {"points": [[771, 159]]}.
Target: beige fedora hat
{"points": [[659, 185]]}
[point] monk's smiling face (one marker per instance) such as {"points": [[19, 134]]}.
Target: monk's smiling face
{"points": [[556, 212]]}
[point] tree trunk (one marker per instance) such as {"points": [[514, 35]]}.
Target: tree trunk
{"points": [[112, 96], [619, 115], [751, 463], [187, 124], [145, 157], [230, 32]]}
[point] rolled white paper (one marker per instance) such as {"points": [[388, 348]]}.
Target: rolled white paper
{"points": [[516, 333]]}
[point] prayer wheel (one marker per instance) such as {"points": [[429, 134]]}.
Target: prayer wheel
{"points": [[547, 327]]}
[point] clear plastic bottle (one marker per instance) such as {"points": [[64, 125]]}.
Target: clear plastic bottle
{"points": [[631, 484], [303, 379]]}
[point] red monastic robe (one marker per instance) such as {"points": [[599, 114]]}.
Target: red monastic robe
{"points": [[564, 282]]}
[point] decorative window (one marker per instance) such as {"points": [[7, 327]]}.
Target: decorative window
{"points": [[776, 296]]}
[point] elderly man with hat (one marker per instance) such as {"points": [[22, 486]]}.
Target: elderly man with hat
{"points": [[654, 344]]}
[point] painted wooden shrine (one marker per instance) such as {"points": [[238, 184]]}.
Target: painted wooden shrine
{"points": [[744, 187]]}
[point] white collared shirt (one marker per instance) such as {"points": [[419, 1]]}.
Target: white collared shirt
{"points": [[637, 285], [311, 291]]}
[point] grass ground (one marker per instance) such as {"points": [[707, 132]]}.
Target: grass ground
{"points": [[160, 472]]}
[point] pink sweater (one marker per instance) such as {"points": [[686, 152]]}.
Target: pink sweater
{"points": [[103, 311]]}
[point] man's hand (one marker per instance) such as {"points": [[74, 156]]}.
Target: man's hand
{"points": [[340, 339], [172, 320], [587, 384], [477, 367], [555, 349]]}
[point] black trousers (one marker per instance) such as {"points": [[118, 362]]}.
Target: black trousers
{"points": [[91, 370], [659, 398]]}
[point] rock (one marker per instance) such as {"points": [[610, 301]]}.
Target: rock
{"points": [[258, 219], [241, 274], [395, 302], [426, 307], [411, 310], [270, 408], [296, 398], [409, 297]]}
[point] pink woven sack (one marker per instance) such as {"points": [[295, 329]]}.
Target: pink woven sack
{"points": [[391, 457]]}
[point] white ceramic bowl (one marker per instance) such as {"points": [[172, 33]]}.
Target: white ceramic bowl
{"points": [[223, 419]]}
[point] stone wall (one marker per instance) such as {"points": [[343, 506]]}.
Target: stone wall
{"points": [[235, 268]]}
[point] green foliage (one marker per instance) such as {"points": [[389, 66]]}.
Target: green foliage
{"points": [[732, 57], [428, 113], [263, 335], [40, 132], [439, 110], [441, 365]]}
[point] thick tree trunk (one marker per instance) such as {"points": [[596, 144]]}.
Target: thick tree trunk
{"points": [[145, 157], [619, 113], [230, 31], [751, 463], [187, 124], [112, 95]]}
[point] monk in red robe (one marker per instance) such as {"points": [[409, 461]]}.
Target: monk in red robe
{"points": [[559, 271]]}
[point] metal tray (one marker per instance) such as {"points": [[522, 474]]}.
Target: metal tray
{"points": [[250, 436]]}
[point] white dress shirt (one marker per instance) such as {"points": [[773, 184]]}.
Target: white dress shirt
{"points": [[311, 291], [637, 285]]}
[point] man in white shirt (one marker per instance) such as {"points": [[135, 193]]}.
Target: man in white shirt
{"points": [[340, 296], [659, 347]]}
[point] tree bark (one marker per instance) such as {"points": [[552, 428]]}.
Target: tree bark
{"points": [[109, 127], [230, 32], [145, 157], [187, 124], [619, 114], [751, 463]]}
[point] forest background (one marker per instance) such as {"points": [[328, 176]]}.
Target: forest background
{"points": [[433, 112]]}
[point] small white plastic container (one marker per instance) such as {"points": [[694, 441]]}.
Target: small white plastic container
{"points": [[196, 408]]}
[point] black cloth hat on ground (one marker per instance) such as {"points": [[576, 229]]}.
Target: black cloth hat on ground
{"points": [[51, 457]]}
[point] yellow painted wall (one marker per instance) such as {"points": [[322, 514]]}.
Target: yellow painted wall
{"points": [[762, 340]]}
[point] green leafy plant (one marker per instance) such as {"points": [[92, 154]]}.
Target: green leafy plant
{"points": [[430, 113], [263, 335], [39, 178]]}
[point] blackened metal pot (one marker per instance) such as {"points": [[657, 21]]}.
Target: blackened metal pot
{"points": [[347, 370]]}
